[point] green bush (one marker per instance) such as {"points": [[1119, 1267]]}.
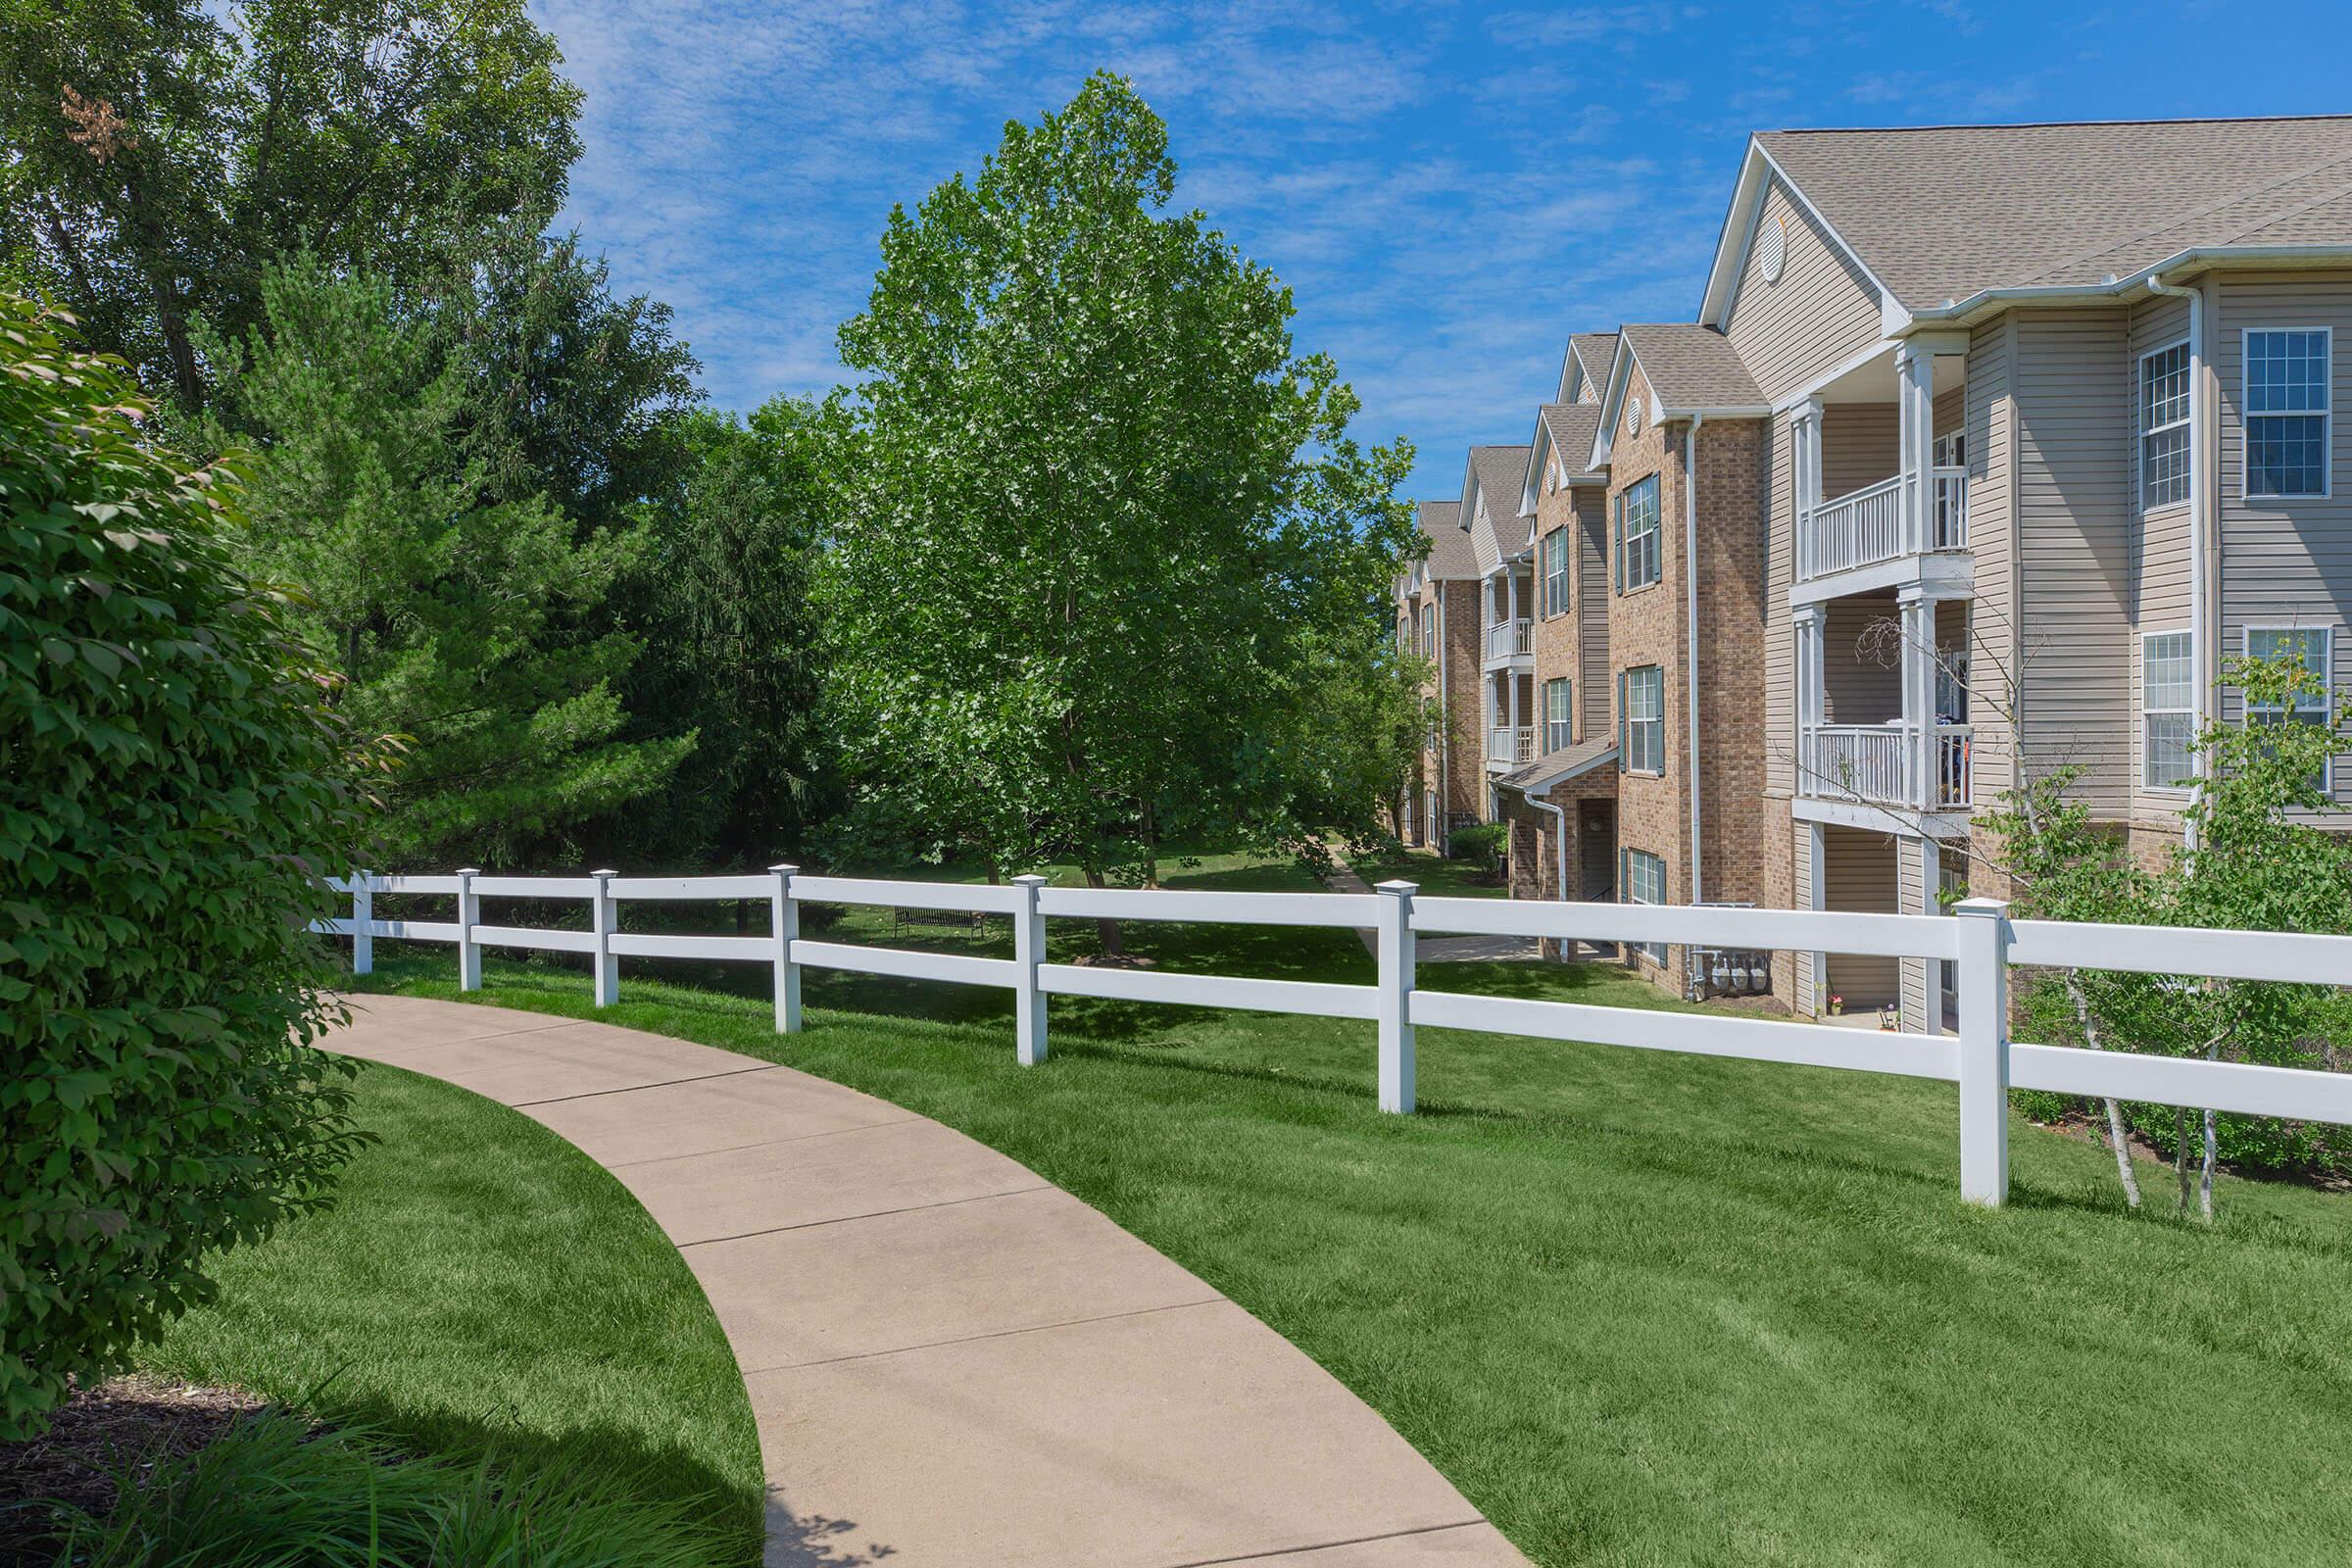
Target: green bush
{"points": [[273, 1492], [169, 768], [1482, 844]]}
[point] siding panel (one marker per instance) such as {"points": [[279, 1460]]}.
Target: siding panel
{"points": [[1821, 313]]}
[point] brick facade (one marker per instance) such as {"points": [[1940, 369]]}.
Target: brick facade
{"points": [[1457, 767]]}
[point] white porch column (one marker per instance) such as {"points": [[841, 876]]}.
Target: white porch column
{"points": [[1510, 589], [1918, 615], [1816, 898], [1811, 622], [1807, 478], [1512, 755], [1914, 439]]}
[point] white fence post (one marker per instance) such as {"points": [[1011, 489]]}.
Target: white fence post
{"points": [[1028, 952], [784, 920], [1984, 1051], [600, 921], [1396, 1001], [470, 915], [362, 913]]}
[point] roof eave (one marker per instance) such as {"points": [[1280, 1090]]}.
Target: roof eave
{"points": [[1991, 300]]}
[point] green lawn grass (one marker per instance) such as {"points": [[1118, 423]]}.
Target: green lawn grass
{"points": [[481, 1285], [1644, 1308]]}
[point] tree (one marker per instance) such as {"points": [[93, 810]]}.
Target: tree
{"points": [[172, 780], [468, 626], [730, 654], [1104, 531], [162, 154]]}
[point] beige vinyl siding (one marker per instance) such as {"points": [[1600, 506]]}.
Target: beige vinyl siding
{"points": [[2286, 562], [1859, 875], [1592, 566], [1912, 897], [1800, 855], [1860, 444], [1779, 642], [2160, 548], [1991, 518], [1856, 687], [2074, 533], [1821, 313]]}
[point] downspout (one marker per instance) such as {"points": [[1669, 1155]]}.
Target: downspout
{"points": [[1445, 737], [1690, 659], [2199, 524], [1560, 839]]}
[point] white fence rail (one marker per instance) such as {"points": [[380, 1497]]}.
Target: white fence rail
{"points": [[1984, 943]]}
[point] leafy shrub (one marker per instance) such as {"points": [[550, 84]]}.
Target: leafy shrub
{"points": [[274, 1492], [169, 785], [1481, 844]]}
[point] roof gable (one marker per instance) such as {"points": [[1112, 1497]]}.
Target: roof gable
{"points": [[1563, 440], [1489, 505]]}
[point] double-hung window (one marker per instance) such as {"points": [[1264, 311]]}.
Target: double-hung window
{"points": [[1637, 564], [2286, 411], [1645, 883], [1642, 710], [1555, 572], [2164, 426], [2315, 648], [2166, 700], [1429, 631], [1558, 713]]}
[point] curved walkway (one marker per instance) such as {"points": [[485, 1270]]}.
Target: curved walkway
{"points": [[952, 1361]]}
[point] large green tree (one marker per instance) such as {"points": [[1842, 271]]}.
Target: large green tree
{"points": [[158, 155], [1104, 530], [721, 591], [470, 623]]}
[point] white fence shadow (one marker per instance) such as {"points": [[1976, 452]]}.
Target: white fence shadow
{"points": [[1983, 941]]}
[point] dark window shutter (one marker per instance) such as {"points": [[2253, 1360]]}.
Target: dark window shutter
{"points": [[1621, 721]]}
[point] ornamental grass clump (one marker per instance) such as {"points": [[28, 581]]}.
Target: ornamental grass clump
{"points": [[174, 774]]}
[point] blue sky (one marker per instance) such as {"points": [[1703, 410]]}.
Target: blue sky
{"points": [[1449, 189]]}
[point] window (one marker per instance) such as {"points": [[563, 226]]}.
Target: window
{"points": [[1637, 535], [2164, 426], [1429, 631], [1558, 714], [2286, 413], [1645, 883], [1555, 572], [1641, 730], [2167, 695], [2315, 648]]}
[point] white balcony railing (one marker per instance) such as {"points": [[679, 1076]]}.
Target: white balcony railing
{"points": [[1508, 639], [1874, 763], [1866, 526], [1507, 744]]}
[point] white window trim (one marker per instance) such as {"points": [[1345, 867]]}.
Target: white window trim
{"points": [[2140, 761], [1655, 952], [2140, 411], [2246, 419], [1567, 719], [1555, 608], [1631, 672], [1656, 531], [2245, 646]]}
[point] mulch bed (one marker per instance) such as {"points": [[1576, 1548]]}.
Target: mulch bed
{"points": [[124, 1422]]}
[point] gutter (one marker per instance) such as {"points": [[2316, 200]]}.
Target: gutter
{"points": [[1954, 311], [2199, 523], [1691, 618], [1560, 839]]}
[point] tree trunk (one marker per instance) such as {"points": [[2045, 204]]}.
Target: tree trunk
{"points": [[1113, 946], [2180, 1154], [2115, 1112], [2205, 1174]]}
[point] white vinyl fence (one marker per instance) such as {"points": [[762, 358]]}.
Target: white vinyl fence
{"points": [[1982, 940]]}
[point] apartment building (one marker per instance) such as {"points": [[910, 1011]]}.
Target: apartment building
{"points": [[1437, 618], [1989, 446]]}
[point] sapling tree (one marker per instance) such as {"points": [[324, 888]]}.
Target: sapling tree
{"points": [[1105, 548]]}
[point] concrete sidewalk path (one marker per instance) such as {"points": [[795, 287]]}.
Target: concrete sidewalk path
{"points": [[952, 1361]]}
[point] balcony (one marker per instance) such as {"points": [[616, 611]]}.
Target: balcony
{"points": [[1874, 764], [1509, 746], [1866, 528], [1510, 639]]}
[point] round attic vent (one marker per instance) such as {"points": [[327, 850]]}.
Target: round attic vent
{"points": [[1632, 415], [1772, 249]]}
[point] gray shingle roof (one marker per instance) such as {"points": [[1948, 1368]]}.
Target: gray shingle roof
{"points": [[1501, 472], [1692, 366], [1595, 351], [1595, 750], [1450, 559], [1941, 213], [1572, 426]]}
